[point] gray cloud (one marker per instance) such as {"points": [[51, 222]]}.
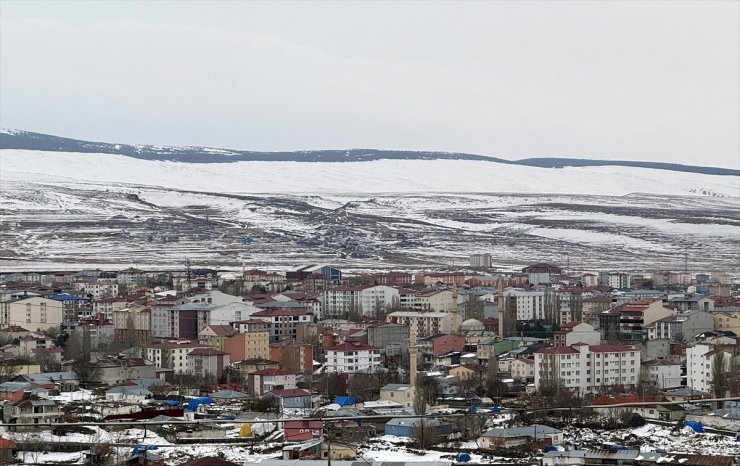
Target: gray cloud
{"points": [[630, 80]]}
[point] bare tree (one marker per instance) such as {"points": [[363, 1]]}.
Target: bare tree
{"points": [[420, 397], [720, 382], [365, 387], [7, 371], [425, 433]]}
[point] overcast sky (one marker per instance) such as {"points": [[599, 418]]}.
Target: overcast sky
{"points": [[625, 80]]}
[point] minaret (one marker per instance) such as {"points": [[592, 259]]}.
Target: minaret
{"points": [[412, 357], [455, 316]]}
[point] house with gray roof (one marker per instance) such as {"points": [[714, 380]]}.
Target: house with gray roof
{"points": [[132, 393], [515, 436]]}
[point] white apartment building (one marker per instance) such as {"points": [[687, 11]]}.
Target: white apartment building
{"points": [[171, 355], [351, 357], [407, 298], [34, 313], [214, 297], [618, 280], [108, 306], [434, 300], [341, 299], [700, 360], [587, 368], [530, 305], [232, 312], [661, 373], [378, 296], [426, 323], [99, 289], [481, 260], [131, 277]]}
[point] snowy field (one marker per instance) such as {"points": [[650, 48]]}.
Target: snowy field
{"points": [[71, 211], [382, 176], [649, 438]]}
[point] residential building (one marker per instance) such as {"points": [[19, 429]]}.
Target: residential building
{"points": [[374, 300], [131, 277], [30, 413], [423, 323], [587, 368], [282, 324], [692, 303], [469, 372], [109, 305], [300, 430], [541, 273], [248, 345], [700, 364], [522, 369], [291, 398], [577, 332], [294, 357], [73, 306], [126, 393], [727, 319], [481, 261], [99, 289], [442, 344], [117, 370], [207, 362], [266, 380], [398, 393], [340, 300], [215, 336], [172, 354], [351, 357], [133, 324], [530, 305], [36, 314], [517, 436], [635, 315], [661, 373], [390, 338], [618, 280], [435, 300]]}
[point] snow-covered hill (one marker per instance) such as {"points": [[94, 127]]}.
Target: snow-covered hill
{"points": [[380, 176], [73, 210]]}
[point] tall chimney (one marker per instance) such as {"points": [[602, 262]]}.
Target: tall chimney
{"points": [[412, 356]]}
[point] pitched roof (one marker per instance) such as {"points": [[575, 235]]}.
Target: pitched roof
{"points": [[270, 372], [222, 330], [206, 352], [610, 348], [290, 393]]}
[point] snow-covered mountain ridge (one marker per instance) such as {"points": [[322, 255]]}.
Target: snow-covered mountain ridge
{"points": [[25, 140], [379, 176]]}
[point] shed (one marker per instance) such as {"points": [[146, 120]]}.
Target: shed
{"points": [[405, 427]]}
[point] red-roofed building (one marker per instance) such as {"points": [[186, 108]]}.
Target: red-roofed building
{"points": [[351, 357], [263, 381], [207, 362], [215, 335], [300, 431]]}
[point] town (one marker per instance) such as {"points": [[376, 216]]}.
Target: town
{"points": [[536, 365]]}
